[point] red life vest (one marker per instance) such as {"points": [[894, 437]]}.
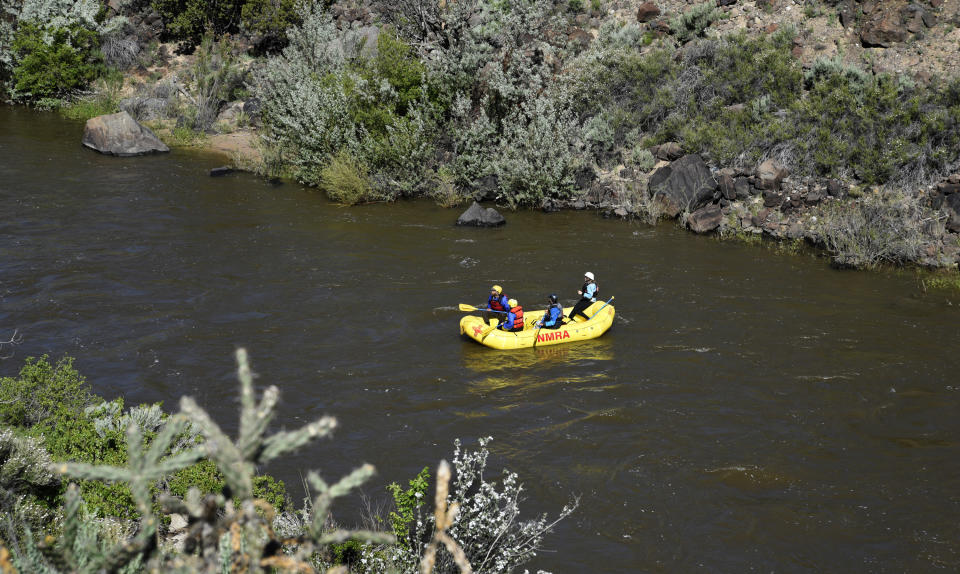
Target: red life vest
{"points": [[494, 302], [518, 318]]}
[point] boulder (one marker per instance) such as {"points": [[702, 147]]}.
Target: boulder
{"points": [[951, 206], [772, 198], [848, 17], [647, 11], [684, 185], [231, 112], [883, 31], [743, 187], [705, 219], [836, 189], [584, 177], [770, 174], [221, 171], [486, 187], [119, 134], [728, 187], [669, 151], [947, 188], [477, 216]]}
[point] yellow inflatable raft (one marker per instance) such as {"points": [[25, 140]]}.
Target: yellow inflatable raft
{"points": [[601, 318]]}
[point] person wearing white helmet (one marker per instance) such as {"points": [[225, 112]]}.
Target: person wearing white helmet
{"points": [[588, 295]]}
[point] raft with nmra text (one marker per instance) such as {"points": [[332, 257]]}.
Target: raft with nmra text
{"points": [[601, 316]]}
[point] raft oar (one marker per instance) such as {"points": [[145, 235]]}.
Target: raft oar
{"points": [[601, 308], [471, 308]]}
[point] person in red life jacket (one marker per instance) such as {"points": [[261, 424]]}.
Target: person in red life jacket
{"points": [[514, 320], [553, 318], [588, 296], [497, 302]]}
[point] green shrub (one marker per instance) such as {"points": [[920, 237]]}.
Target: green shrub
{"points": [[643, 159], [694, 21], [488, 527], [407, 502], [53, 62], [270, 19], [858, 122], [42, 390], [187, 21], [214, 78], [345, 179], [86, 108]]}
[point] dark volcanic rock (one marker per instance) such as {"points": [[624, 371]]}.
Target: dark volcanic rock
{"points": [[647, 12], [705, 219], [685, 184], [884, 31], [481, 217], [770, 174], [951, 205]]}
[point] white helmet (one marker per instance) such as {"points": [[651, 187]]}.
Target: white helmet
{"points": [[588, 275]]}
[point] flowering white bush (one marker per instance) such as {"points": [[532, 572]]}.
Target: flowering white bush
{"points": [[487, 526]]}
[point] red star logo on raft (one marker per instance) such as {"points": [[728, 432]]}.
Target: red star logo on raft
{"points": [[477, 330]]}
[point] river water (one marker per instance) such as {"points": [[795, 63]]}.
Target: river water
{"points": [[749, 410]]}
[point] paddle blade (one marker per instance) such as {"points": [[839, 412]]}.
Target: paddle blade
{"points": [[465, 307]]}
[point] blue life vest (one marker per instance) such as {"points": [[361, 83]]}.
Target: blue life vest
{"points": [[553, 315]]}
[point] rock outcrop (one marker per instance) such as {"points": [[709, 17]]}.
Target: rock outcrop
{"points": [[684, 185], [119, 134]]}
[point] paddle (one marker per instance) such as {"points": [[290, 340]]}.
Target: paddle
{"points": [[489, 329], [601, 308], [470, 308], [537, 334]]}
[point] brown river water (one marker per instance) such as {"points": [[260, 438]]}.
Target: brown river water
{"points": [[749, 410]]}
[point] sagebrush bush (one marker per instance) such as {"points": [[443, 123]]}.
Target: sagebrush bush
{"points": [[693, 22], [306, 110], [538, 152], [878, 228]]}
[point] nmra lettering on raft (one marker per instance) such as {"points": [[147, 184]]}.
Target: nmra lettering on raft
{"points": [[554, 335]]}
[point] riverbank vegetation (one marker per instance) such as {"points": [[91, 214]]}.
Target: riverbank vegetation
{"points": [[514, 102], [87, 485]]}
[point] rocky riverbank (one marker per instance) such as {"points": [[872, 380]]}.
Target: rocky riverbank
{"points": [[860, 223]]}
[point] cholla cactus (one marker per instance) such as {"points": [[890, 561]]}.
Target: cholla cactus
{"points": [[228, 532]]}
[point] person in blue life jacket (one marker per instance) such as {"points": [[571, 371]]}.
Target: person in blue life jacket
{"points": [[553, 318], [497, 302], [514, 320], [588, 296]]}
